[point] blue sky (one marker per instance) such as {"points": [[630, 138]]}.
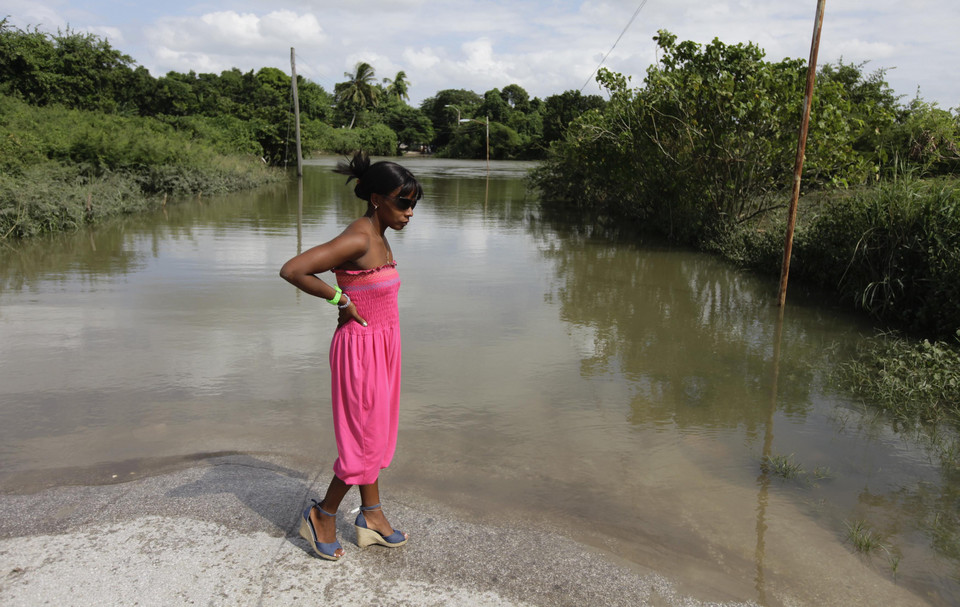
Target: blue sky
{"points": [[545, 46]]}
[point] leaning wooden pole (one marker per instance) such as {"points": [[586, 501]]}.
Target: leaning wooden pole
{"points": [[801, 149], [296, 110]]}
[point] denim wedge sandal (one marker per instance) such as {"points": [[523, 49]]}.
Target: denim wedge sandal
{"points": [[367, 536], [309, 533]]}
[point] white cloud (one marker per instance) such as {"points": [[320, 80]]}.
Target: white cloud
{"points": [[544, 46], [288, 25], [228, 26], [221, 40], [25, 13], [480, 61], [423, 59], [113, 34]]}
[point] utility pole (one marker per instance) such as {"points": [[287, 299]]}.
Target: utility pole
{"points": [[296, 110], [801, 149]]}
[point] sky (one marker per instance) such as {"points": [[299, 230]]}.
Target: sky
{"points": [[546, 47]]}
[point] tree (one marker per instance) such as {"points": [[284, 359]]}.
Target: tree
{"points": [[315, 102], [444, 118], [398, 87], [412, 125], [710, 139], [517, 97], [874, 107], [560, 110], [359, 91], [494, 106], [173, 96], [80, 71]]}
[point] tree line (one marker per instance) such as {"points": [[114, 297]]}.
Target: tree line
{"points": [[253, 110]]}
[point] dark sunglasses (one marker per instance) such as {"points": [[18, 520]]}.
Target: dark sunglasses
{"points": [[403, 204]]}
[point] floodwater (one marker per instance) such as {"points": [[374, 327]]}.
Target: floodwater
{"points": [[620, 391]]}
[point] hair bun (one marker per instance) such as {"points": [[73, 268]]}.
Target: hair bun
{"points": [[355, 167], [382, 177]]}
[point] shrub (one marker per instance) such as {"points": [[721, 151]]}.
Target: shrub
{"points": [[55, 159], [892, 251]]}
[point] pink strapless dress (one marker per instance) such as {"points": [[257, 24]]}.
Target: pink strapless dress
{"points": [[365, 375]]}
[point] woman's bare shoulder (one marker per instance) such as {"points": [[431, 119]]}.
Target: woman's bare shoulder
{"points": [[361, 224]]}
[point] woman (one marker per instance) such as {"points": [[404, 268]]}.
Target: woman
{"points": [[365, 351]]}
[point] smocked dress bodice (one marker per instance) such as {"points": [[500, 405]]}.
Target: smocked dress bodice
{"points": [[374, 293]]}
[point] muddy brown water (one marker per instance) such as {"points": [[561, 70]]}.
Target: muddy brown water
{"points": [[618, 390]]}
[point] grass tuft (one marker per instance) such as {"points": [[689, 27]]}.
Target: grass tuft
{"points": [[782, 466], [863, 538]]}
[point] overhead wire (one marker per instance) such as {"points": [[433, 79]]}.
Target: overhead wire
{"points": [[629, 23]]}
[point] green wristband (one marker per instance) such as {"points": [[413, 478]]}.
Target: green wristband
{"points": [[336, 298]]}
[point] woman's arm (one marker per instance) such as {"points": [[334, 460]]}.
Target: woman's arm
{"points": [[301, 271]]}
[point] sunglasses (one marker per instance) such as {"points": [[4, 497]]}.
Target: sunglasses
{"points": [[403, 204]]}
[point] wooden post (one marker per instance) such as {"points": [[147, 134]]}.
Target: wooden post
{"points": [[299, 216], [89, 202], [296, 110], [801, 148]]}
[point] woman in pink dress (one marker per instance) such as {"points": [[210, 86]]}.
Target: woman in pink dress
{"points": [[365, 351]]}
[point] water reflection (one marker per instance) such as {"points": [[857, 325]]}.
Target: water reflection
{"points": [[764, 480], [706, 350], [692, 334]]}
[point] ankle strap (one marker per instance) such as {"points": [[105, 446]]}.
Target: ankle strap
{"points": [[373, 507], [316, 505]]}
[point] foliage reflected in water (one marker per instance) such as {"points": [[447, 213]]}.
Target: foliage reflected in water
{"points": [[101, 252], [695, 334], [697, 344]]}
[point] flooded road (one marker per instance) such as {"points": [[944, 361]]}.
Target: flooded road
{"points": [[622, 392]]}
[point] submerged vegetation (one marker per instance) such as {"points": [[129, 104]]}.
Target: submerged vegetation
{"points": [[863, 538], [782, 466], [916, 383]]}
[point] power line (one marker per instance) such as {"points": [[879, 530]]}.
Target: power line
{"points": [[629, 23]]}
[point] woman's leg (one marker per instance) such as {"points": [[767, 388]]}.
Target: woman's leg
{"points": [[370, 496], [326, 526]]}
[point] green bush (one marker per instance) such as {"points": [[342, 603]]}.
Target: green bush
{"points": [[378, 139], [54, 160], [707, 142], [225, 134], [52, 197], [892, 251]]}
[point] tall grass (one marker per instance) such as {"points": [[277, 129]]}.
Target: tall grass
{"points": [[892, 251], [61, 168]]}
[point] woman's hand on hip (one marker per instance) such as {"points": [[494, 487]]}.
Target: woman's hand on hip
{"points": [[350, 313]]}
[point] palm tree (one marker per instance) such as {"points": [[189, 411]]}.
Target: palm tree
{"points": [[359, 90], [398, 87]]}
